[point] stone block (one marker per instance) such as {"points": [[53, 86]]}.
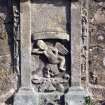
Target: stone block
{"points": [[75, 96], [26, 97]]}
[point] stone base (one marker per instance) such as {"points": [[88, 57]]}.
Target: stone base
{"points": [[25, 97], [75, 96], [54, 98]]}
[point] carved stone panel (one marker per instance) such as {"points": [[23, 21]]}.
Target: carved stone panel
{"points": [[50, 67], [50, 46]]}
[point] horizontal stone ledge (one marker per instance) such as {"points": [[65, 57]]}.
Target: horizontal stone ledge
{"points": [[50, 35]]}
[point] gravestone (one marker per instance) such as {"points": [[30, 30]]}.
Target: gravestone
{"points": [[52, 52], [50, 61]]}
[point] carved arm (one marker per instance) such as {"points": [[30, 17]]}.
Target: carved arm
{"points": [[37, 51]]}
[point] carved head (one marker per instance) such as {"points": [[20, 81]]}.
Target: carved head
{"points": [[42, 45]]}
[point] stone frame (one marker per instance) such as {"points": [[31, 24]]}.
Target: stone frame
{"points": [[25, 90]]}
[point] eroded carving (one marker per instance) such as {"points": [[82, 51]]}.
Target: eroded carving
{"points": [[54, 74], [16, 30], [84, 44], [52, 53], [50, 84], [51, 100]]}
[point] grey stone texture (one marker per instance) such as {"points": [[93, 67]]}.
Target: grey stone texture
{"points": [[75, 44], [51, 99], [72, 33], [49, 19], [25, 97], [25, 44], [97, 50], [30, 22], [8, 81], [76, 95], [51, 29], [52, 18]]}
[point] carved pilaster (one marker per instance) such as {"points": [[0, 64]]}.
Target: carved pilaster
{"points": [[25, 95], [76, 93]]}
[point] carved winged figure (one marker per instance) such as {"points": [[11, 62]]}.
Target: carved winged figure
{"points": [[55, 55]]}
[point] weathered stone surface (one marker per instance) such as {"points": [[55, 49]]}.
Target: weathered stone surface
{"points": [[48, 17], [63, 27], [75, 95], [50, 29], [25, 45], [75, 47], [99, 17], [24, 97], [8, 79], [97, 50], [51, 99], [50, 74]]}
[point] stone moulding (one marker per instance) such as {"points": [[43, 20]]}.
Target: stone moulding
{"points": [[84, 44], [50, 35]]}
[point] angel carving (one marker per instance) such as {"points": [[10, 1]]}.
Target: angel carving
{"points": [[55, 55]]}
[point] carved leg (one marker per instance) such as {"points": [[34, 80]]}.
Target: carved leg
{"points": [[61, 63], [46, 71]]}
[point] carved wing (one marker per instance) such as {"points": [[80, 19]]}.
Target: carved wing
{"points": [[61, 49]]}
